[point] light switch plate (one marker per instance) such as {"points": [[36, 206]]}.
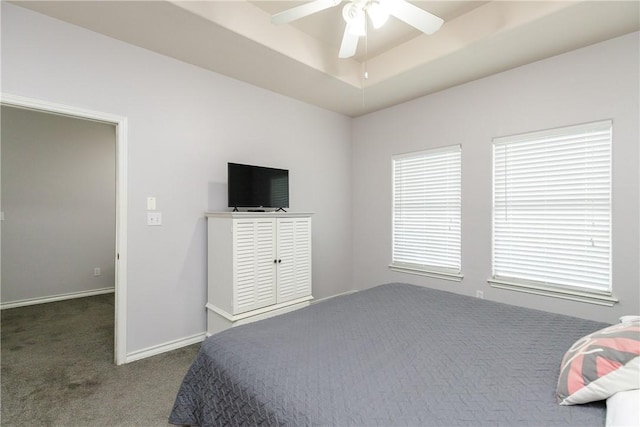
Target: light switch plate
{"points": [[154, 218], [151, 203]]}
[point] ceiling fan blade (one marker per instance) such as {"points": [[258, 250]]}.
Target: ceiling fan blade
{"points": [[303, 10], [414, 16], [349, 44]]}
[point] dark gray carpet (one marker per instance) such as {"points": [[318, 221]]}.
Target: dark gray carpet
{"points": [[58, 370]]}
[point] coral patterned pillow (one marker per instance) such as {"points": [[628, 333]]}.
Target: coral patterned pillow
{"points": [[601, 364]]}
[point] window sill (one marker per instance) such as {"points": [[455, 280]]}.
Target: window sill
{"points": [[455, 277], [568, 294]]}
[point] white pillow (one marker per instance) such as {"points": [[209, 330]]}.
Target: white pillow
{"points": [[623, 409]]}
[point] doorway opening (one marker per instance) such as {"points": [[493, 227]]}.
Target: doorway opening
{"points": [[119, 254]]}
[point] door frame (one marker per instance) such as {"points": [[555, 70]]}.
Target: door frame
{"points": [[120, 256]]}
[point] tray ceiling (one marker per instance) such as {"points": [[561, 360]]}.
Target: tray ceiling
{"points": [[300, 60]]}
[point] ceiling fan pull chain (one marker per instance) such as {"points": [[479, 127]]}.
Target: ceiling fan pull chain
{"points": [[366, 51], [364, 63]]}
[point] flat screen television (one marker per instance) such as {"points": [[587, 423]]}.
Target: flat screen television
{"points": [[257, 187]]}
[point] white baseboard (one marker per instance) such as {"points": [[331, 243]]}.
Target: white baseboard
{"points": [[54, 298], [163, 348], [333, 296], [183, 342]]}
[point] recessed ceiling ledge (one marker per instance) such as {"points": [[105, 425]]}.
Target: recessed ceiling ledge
{"points": [[489, 20], [251, 22]]}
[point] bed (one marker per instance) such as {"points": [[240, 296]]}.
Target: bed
{"points": [[392, 355]]}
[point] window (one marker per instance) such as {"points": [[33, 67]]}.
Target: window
{"points": [[426, 212], [552, 210]]}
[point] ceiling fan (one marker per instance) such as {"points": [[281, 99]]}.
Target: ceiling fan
{"points": [[354, 14]]}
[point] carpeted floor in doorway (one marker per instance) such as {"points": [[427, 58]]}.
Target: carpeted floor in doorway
{"points": [[58, 370]]}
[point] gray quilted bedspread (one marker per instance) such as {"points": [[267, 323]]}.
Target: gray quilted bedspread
{"points": [[393, 355]]}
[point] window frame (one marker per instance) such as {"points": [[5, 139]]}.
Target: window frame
{"points": [[577, 292], [437, 271]]}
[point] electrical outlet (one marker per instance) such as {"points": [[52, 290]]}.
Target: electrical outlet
{"points": [[154, 218], [96, 271], [480, 294]]}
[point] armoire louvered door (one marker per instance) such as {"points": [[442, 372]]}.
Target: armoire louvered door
{"points": [[294, 258], [254, 266]]}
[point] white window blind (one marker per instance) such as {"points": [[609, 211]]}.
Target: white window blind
{"points": [[552, 208], [426, 210]]}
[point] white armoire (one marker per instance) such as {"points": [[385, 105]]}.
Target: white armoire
{"points": [[259, 265]]}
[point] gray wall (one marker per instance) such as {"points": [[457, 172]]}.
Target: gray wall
{"points": [[594, 83], [58, 197], [184, 125]]}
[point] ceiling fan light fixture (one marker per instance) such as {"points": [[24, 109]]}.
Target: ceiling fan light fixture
{"points": [[357, 28], [378, 13], [355, 15], [355, 18]]}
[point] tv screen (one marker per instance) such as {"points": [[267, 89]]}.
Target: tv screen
{"points": [[257, 187]]}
